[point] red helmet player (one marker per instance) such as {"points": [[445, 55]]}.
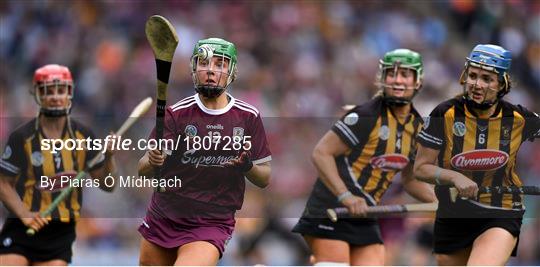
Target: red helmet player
{"points": [[53, 81]]}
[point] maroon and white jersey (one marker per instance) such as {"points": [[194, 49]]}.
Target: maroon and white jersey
{"points": [[204, 140]]}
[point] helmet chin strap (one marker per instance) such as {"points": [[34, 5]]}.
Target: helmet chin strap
{"points": [[53, 113], [481, 106], [209, 91], [396, 100], [475, 105]]}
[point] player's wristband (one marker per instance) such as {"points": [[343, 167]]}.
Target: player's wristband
{"points": [[438, 176], [246, 166], [343, 196], [245, 163]]}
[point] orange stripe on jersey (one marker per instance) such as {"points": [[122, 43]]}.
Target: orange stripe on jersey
{"points": [[367, 152], [75, 206], [380, 178], [370, 175], [48, 170], [81, 154], [517, 130], [30, 180], [76, 194], [408, 137], [392, 125], [493, 141], [67, 164], [449, 117], [469, 140], [512, 177]]}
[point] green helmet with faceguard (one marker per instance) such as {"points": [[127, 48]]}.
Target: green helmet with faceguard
{"points": [[400, 58], [206, 49]]}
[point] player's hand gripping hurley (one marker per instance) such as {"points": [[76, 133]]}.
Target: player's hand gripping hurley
{"points": [[163, 39], [334, 214], [505, 190], [138, 111]]}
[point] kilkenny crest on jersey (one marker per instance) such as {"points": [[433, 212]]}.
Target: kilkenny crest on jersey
{"points": [[459, 129], [384, 132], [37, 159]]}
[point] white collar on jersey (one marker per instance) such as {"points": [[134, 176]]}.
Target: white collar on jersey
{"points": [[214, 111]]}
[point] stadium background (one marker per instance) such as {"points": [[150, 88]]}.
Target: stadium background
{"points": [[299, 62]]}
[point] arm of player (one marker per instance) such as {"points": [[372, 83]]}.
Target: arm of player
{"points": [[144, 168], [13, 202], [150, 161], [323, 157], [417, 189], [426, 170], [259, 175], [108, 168]]}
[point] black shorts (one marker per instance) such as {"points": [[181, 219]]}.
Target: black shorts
{"points": [[453, 234], [314, 222], [357, 232], [53, 242], [459, 223]]}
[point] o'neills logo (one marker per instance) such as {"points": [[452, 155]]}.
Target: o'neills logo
{"points": [[480, 160], [389, 162]]}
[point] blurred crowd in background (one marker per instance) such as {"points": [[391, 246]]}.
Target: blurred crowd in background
{"points": [[299, 63]]}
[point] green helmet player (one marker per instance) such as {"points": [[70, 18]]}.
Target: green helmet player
{"points": [[407, 62], [369, 145], [213, 66]]}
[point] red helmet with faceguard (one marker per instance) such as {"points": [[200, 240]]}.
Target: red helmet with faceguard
{"points": [[55, 79]]}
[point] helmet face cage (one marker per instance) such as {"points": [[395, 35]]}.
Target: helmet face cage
{"points": [[384, 68], [56, 81], [491, 58], [395, 60], [54, 88], [204, 61]]}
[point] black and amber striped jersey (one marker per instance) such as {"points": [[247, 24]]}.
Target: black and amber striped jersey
{"points": [[381, 146], [24, 160], [483, 149]]}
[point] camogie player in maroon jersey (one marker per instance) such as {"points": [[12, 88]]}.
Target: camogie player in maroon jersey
{"points": [[222, 141]]}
